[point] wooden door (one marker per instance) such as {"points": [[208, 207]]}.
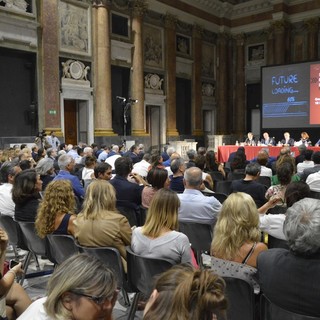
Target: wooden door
{"points": [[70, 122]]}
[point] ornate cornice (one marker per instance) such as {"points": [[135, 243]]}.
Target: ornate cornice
{"points": [[240, 38]]}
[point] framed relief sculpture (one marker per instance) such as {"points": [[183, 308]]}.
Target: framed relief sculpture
{"points": [[75, 32], [256, 54], [153, 46], [183, 45], [208, 68]]}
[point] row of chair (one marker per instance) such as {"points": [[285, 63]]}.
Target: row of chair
{"points": [[141, 271]]}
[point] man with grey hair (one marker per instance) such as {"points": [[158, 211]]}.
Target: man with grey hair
{"points": [[194, 205], [191, 153], [66, 164], [176, 179], [291, 278], [250, 186]]}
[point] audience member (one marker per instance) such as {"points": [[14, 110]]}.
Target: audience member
{"points": [[236, 233], [133, 154], [202, 151], [290, 278], [25, 164], [249, 185], [159, 237], [82, 287], [141, 167], [25, 195], [212, 163], [262, 160], [307, 162], [284, 174], [14, 300], [200, 162], [273, 223], [156, 160], [167, 153], [313, 181], [113, 155], [52, 140], [46, 171], [191, 153], [66, 164], [103, 171], [8, 172], [56, 210], [196, 207], [306, 172], [126, 190], [239, 161], [99, 224], [174, 155], [184, 293], [103, 154], [301, 156], [157, 179], [88, 170], [178, 168]]}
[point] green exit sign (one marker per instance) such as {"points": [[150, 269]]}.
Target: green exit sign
{"points": [[52, 112]]}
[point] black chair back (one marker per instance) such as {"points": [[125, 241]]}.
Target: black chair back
{"points": [[36, 247], [241, 299], [236, 175], [131, 211], [61, 247], [221, 197], [112, 259], [141, 273], [266, 181], [223, 187], [277, 243], [270, 311], [199, 235], [314, 194]]}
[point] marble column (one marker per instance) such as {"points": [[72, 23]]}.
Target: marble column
{"points": [[280, 41], [102, 68], [48, 61], [196, 82], [137, 80], [170, 54], [313, 31], [240, 89], [222, 84]]}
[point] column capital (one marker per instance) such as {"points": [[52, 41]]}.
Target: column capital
{"points": [[170, 21], [240, 39], [197, 31], [312, 24], [101, 3], [138, 7], [280, 26]]}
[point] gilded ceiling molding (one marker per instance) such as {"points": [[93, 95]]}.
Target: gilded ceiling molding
{"points": [[280, 26]]}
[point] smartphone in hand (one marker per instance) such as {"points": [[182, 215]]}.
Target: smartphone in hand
{"points": [[13, 263]]}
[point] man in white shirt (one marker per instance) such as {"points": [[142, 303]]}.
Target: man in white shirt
{"points": [[313, 181], [195, 206], [8, 172], [53, 140], [142, 166]]}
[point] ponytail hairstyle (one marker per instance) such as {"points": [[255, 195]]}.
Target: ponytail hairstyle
{"points": [[199, 296]]}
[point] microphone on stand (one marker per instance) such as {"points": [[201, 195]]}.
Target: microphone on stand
{"points": [[121, 99]]}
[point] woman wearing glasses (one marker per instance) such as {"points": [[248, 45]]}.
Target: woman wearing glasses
{"points": [[81, 288]]}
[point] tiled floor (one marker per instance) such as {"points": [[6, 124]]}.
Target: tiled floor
{"points": [[36, 288]]}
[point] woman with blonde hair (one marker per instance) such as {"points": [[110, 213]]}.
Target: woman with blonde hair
{"points": [[81, 288], [56, 210], [99, 224], [185, 293], [159, 237], [236, 233]]}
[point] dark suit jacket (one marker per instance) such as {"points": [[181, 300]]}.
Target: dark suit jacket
{"points": [[290, 281], [126, 190], [271, 141], [291, 142]]}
